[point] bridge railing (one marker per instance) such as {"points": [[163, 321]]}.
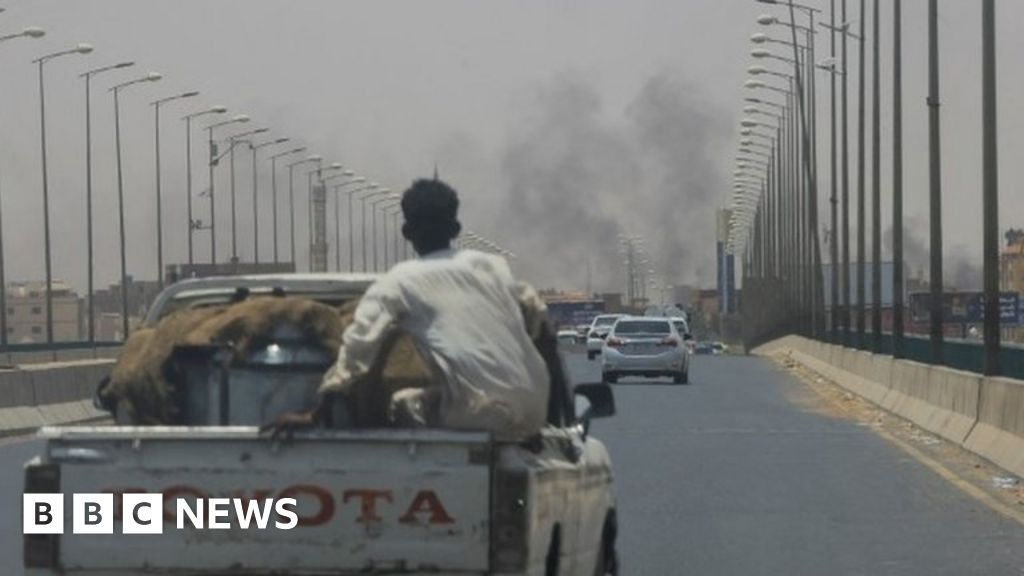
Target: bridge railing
{"points": [[38, 353]]}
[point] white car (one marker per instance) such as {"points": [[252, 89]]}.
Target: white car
{"points": [[598, 330], [649, 347]]}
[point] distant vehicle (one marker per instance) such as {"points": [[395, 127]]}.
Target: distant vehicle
{"points": [[704, 348], [567, 337], [598, 330], [719, 347], [649, 347]]}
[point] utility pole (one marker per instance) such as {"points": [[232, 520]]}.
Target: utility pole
{"points": [[834, 245], [845, 145], [876, 185], [897, 180], [990, 201], [935, 185], [860, 182]]}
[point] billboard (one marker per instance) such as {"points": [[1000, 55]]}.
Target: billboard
{"points": [[966, 307], [575, 312]]}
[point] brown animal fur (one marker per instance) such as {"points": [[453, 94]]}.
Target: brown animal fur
{"points": [[138, 382]]}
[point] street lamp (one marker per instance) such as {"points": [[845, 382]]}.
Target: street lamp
{"points": [[386, 197], [80, 49], [88, 190], [337, 215], [373, 190], [151, 77], [233, 141], [384, 218], [273, 188], [255, 196], [30, 32], [311, 159], [396, 210], [212, 162], [351, 239], [159, 219], [193, 224]]}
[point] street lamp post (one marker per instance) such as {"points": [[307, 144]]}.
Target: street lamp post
{"points": [[934, 187], [897, 181], [254, 148], [91, 321], [990, 188], [30, 32], [314, 159], [876, 185], [351, 235], [188, 173], [80, 49], [373, 216], [212, 163], [362, 227], [151, 77], [159, 213], [337, 212], [273, 193], [232, 143], [384, 214]]}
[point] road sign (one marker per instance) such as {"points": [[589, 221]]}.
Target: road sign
{"points": [[967, 307]]}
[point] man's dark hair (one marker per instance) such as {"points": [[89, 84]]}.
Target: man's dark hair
{"points": [[431, 210]]}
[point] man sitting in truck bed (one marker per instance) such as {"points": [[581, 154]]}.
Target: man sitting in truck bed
{"points": [[462, 309]]}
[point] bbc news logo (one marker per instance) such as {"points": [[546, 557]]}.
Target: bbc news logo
{"points": [[144, 513]]}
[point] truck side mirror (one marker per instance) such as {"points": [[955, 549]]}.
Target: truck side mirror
{"points": [[599, 396], [102, 402]]}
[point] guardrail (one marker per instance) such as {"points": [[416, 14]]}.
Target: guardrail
{"points": [[38, 353], [982, 414]]}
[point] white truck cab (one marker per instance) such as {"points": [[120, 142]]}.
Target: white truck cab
{"points": [[360, 501]]}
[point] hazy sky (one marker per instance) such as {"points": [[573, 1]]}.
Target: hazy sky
{"points": [[561, 123]]}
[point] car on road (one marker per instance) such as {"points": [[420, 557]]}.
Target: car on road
{"points": [[598, 331], [567, 337], [645, 346], [703, 348]]}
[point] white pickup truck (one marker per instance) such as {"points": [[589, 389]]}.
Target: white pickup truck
{"points": [[366, 501]]}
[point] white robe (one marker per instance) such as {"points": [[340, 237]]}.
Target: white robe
{"points": [[462, 310]]}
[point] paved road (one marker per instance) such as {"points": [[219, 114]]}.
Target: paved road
{"points": [[736, 474]]}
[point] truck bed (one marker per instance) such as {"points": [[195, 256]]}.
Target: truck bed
{"points": [[369, 501]]}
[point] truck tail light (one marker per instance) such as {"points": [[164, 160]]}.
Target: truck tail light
{"points": [[41, 550], [616, 342], [510, 523], [669, 342]]}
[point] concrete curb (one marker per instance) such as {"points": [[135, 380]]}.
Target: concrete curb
{"points": [[983, 415], [49, 394]]}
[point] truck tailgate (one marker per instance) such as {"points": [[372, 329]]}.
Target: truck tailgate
{"points": [[371, 501]]}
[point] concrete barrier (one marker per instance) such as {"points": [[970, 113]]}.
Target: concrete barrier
{"points": [[38, 395], [984, 415], [999, 433]]}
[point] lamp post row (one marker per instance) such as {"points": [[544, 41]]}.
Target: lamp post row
{"points": [[774, 244], [192, 223]]}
